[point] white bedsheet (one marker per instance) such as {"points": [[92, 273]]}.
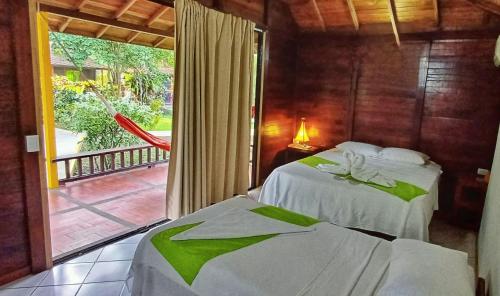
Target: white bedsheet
{"points": [[307, 190], [327, 259]]}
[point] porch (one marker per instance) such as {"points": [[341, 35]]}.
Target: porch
{"points": [[92, 210]]}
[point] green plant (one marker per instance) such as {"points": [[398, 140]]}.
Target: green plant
{"points": [[143, 63], [100, 128], [66, 94]]}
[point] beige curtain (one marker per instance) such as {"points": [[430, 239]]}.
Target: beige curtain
{"points": [[213, 87]]}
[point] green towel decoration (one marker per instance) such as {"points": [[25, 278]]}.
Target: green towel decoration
{"points": [[187, 257], [403, 190]]}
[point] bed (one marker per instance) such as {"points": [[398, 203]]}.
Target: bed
{"points": [[315, 260], [301, 187]]}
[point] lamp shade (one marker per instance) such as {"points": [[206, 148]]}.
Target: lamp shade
{"points": [[302, 136]]}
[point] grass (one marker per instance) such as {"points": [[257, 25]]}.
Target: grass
{"points": [[163, 124]]}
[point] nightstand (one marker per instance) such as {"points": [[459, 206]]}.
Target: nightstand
{"points": [[293, 153], [468, 201]]}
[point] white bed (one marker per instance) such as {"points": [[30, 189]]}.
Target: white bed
{"points": [[330, 258], [307, 190]]}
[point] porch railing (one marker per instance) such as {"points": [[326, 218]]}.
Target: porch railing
{"points": [[97, 163]]}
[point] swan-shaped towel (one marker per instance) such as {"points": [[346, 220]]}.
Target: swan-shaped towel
{"points": [[354, 164]]}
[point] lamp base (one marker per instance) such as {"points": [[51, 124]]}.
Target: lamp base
{"points": [[300, 146]]}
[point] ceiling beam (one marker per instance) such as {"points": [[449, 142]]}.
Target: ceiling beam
{"points": [[394, 20], [354, 15], [64, 25], [105, 21], [132, 36], [124, 8], [81, 4], [156, 16], [159, 41], [101, 31], [169, 3], [318, 13], [435, 5], [486, 5]]}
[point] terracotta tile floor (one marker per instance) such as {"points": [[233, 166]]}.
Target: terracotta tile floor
{"points": [[90, 211]]}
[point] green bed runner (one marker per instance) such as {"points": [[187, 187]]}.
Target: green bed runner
{"points": [[403, 190], [187, 257]]}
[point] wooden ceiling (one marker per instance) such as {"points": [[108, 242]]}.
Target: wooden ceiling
{"points": [[132, 21], [398, 16], [152, 24]]}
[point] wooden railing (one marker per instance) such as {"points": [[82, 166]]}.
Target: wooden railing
{"points": [[97, 163]]}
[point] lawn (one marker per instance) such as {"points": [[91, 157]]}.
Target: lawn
{"points": [[163, 124]]}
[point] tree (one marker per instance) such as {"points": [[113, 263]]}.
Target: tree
{"points": [[144, 63]]}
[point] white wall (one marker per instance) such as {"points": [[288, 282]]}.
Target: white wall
{"points": [[489, 234]]}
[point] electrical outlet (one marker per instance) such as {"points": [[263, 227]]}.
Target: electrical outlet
{"points": [[482, 172]]}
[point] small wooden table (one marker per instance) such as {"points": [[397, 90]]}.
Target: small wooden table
{"points": [[293, 153], [468, 201]]}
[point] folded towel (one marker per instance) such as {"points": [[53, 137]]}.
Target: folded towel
{"points": [[333, 169], [238, 223], [354, 165], [364, 173]]}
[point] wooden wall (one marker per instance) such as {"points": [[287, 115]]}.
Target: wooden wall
{"points": [[441, 97], [22, 247], [279, 63]]}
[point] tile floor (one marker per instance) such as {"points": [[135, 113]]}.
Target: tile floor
{"points": [[90, 211], [99, 273]]}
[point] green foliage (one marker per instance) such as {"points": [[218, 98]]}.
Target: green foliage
{"points": [[66, 94], [142, 63], [78, 109], [101, 130], [156, 105], [148, 86]]}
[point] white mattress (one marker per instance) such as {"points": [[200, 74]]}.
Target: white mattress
{"points": [[328, 259], [306, 190]]}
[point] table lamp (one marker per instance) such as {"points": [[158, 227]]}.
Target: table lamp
{"points": [[301, 139]]}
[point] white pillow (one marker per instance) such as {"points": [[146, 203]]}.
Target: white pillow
{"points": [[360, 148], [404, 155], [420, 268]]}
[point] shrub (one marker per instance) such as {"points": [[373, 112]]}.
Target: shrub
{"points": [[66, 94], [100, 128]]}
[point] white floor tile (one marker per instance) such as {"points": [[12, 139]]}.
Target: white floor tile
{"points": [[17, 292], [101, 289], [67, 290], [108, 272], [67, 274], [87, 258], [29, 281], [118, 252]]}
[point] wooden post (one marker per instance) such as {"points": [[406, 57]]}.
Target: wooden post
{"points": [[47, 100]]}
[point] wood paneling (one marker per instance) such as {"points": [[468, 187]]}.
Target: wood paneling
{"points": [[462, 105], [375, 17], [441, 97], [322, 89], [22, 247], [277, 112]]}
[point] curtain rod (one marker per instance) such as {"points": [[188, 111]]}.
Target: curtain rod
{"points": [[170, 3]]}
